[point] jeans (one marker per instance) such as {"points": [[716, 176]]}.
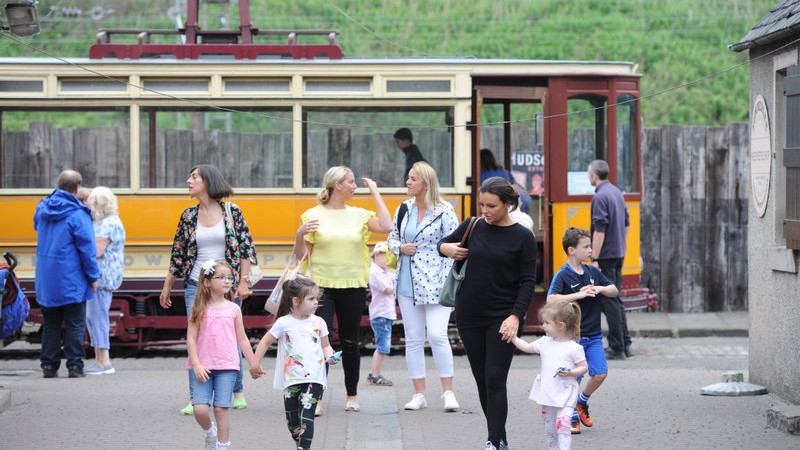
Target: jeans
{"points": [[73, 318], [217, 388], [429, 322], [613, 308], [97, 319]]}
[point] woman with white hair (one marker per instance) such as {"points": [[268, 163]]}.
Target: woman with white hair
{"points": [[336, 234], [110, 241]]}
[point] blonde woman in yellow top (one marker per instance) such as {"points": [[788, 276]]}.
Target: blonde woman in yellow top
{"points": [[336, 234]]}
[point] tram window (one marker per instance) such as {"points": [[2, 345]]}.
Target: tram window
{"points": [[586, 131], [17, 86], [627, 144], [252, 148], [361, 138], [37, 145]]}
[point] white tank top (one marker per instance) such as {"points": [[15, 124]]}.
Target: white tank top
{"points": [[210, 245]]}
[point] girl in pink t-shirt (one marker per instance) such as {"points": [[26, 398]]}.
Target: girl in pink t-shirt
{"points": [[556, 387], [213, 339]]}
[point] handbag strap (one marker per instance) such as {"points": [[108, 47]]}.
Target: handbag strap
{"points": [[467, 234], [229, 216]]}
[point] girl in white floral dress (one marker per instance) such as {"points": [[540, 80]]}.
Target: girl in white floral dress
{"points": [[303, 351]]}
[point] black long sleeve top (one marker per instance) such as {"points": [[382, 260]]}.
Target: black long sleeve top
{"points": [[500, 278]]}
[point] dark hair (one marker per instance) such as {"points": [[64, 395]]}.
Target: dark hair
{"points": [[296, 287], [488, 161], [404, 134], [572, 236], [216, 185], [69, 180], [599, 168], [503, 189]]}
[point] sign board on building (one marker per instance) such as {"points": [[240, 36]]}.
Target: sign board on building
{"points": [[760, 155]]}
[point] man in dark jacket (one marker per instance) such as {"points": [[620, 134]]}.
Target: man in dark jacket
{"points": [[405, 142], [610, 224], [66, 273]]}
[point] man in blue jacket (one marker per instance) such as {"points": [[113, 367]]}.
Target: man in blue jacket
{"points": [[66, 273]]}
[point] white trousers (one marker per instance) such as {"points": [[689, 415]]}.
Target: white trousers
{"points": [[429, 322]]}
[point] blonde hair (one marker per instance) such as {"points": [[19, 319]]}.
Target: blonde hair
{"points": [[203, 295], [103, 203], [83, 193], [334, 175], [564, 311], [427, 174]]}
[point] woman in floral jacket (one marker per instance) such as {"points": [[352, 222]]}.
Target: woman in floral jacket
{"points": [[204, 234], [426, 219]]}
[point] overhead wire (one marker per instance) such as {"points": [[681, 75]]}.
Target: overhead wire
{"points": [[204, 105]]}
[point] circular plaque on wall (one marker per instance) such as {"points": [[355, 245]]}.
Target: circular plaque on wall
{"points": [[760, 155]]}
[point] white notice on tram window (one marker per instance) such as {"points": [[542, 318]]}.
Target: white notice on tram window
{"points": [[760, 155]]}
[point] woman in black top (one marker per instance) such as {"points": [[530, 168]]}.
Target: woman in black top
{"points": [[494, 297]]}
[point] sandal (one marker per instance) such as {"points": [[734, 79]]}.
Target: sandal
{"points": [[379, 380], [239, 403], [187, 410], [352, 406]]}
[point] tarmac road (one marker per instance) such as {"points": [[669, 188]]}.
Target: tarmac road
{"points": [[650, 401]]}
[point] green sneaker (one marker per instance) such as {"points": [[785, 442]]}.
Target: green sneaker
{"points": [[188, 410]]}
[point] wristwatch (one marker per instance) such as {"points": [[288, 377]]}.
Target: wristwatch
{"points": [[593, 259]]}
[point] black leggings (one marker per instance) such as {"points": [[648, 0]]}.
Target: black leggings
{"points": [[490, 359], [348, 304], [300, 403]]}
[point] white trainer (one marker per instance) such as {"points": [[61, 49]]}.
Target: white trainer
{"points": [[417, 402], [450, 403]]}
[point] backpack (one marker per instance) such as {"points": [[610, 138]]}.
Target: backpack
{"points": [[15, 304]]}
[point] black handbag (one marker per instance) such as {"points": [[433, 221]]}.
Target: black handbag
{"points": [[454, 277]]}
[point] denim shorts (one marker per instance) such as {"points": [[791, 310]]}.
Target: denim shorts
{"points": [[219, 386], [382, 328], [595, 355]]}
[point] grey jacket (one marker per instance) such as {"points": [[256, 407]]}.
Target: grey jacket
{"points": [[428, 269]]}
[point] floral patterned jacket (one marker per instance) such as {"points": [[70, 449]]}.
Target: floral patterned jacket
{"points": [[239, 243]]}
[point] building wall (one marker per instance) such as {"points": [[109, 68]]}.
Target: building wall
{"points": [[774, 284]]}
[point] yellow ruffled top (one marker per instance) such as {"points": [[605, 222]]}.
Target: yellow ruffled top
{"points": [[340, 258]]}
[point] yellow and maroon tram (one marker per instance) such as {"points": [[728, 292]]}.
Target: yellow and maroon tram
{"points": [[274, 125]]}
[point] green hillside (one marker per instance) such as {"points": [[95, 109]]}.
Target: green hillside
{"points": [[681, 46]]}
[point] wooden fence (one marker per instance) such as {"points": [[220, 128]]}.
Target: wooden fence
{"points": [[694, 205], [694, 216]]}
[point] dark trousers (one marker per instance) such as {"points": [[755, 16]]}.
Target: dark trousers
{"points": [[614, 308], [299, 418], [73, 318], [490, 359], [348, 306]]}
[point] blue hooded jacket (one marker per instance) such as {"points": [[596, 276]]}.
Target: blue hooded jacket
{"points": [[66, 261]]}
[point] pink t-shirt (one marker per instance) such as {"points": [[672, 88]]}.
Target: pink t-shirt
{"points": [[382, 305], [216, 340]]}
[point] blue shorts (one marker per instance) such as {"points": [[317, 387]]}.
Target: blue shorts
{"points": [[382, 328], [219, 386], [595, 355]]}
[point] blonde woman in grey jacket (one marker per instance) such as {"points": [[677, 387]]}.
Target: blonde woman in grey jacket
{"points": [[425, 219]]}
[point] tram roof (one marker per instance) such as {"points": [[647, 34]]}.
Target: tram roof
{"points": [[477, 65]]}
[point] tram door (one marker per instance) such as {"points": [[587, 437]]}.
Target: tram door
{"points": [[509, 125]]}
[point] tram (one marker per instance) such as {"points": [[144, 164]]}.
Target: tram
{"points": [[274, 124]]}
